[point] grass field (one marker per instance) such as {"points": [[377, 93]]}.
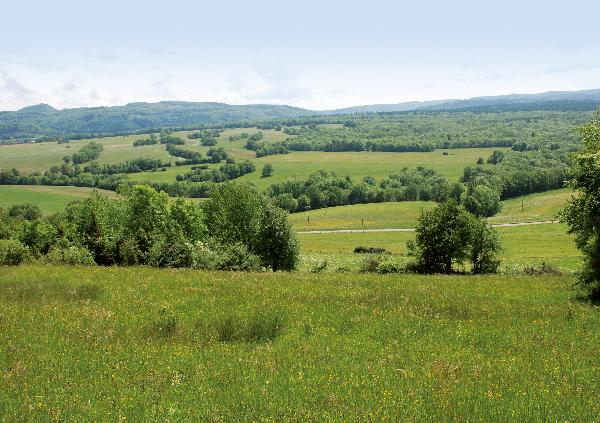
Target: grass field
{"points": [[536, 207], [137, 344], [49, 199], [522, 245], [41, 156]]}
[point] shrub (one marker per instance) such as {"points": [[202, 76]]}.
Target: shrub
{"points": [[12, 252], [25, 211], [214, 256], [166, 253], [543, 269], [319, 267], [389, 267], [73, 255], [485, 246], [371, 250], [370, 264]]}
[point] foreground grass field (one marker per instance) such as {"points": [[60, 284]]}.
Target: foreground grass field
{"points": [[137, 344]]}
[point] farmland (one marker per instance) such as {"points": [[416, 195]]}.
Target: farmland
{"points": [[143, 344]]}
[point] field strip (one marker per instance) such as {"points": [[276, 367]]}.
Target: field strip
{"points": [[351, 231]]}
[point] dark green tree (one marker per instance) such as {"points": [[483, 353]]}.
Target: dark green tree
{"points": [[267, 170], [582, 213], [485, 246], [442, 237], [277, 244]]}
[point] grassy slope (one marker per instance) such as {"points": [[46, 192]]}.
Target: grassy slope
{"points": [[50, 199], [94, 344], [536, 207]]}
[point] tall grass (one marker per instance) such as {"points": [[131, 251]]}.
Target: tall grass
{"points": [[138, 344]]}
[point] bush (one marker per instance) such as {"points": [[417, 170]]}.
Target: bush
{"points": [[485, 246], [319, 267], [25, 211], [12, 252], [371, 250], [213, 256], [73, 256], [165, 253], [370, 264], [543, 269], [390, 267]]}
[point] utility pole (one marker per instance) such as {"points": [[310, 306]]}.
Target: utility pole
{"points": [[521, 205]]}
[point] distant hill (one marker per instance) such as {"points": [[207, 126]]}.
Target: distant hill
{"points": [[397, 107], [551, 100], [43, 120]]}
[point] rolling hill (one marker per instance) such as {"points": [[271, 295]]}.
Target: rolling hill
{"points": [[42, 120]]}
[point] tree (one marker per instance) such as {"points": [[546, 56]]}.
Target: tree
{"points": [[582, 213], [267, 170], [277, 244], [449, 235], [286, 202], [233, 213], [442, 237], [485, 246], [481, 200], [25, 211]]}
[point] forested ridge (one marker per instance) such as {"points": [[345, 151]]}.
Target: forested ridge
{"points": [[45, 122]]}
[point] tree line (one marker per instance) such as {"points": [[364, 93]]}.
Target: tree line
{"points": [[236, 229]]}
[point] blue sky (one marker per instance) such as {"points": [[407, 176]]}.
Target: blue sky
{"points": [[314, 54]]}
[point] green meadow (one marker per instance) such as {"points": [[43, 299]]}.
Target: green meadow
{"points": [[522, 246], [529, 208], [49, 199], [140, 344], [42, 156]]}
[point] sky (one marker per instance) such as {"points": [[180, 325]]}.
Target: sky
{"points": [[314, 54]]}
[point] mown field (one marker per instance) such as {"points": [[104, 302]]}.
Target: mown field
{"points": [[138, 344]]}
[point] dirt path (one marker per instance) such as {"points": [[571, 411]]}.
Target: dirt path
{"points": [[351, 231]]}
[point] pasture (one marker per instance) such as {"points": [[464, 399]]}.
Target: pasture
{"points": [[522, 245], [140, 344], [41, 156], [49, 199]]}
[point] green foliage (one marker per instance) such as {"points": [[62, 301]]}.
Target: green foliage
{"points": [[90, 151], [481, 200], [38, 235], [12, 252], [25, 211], [267, 170], [72, 255], [276, 241], [449, 235], [485, 247], [442, 237], [583, 211], [233, 213]]}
